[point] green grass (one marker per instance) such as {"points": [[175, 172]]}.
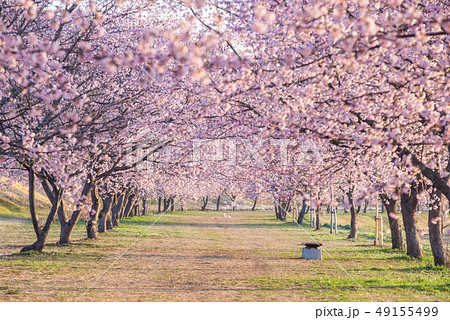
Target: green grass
{"points": [[201, 256]]}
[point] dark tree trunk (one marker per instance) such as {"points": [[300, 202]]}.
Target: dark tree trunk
{"points": [[277, 214], [123, 207], [129, 206], [41, 232], [205, 203], [132, 211], [172, 207], [394, 224], [159, 204], [136, 208], [318, 219], [281, 209], [109, 223], [354, 215], [144, 205], [91, 223], [117, 209], [218, 203], [67, 226], [32, 200], [284, 209], [166, 204], [254, 204], [409, 208], [353, 225], [302, 212], [440, 253], [105, 213], [65, 234], [366, 203]]}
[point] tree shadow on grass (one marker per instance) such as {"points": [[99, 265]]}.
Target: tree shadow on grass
{"points": [[428, 267], [213, 225], [13, 218]]}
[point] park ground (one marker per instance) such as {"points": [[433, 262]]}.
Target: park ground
{"points": [[206, 256]]}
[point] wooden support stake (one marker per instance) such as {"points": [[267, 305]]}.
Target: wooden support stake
{"points": [[335, 222], [376, 223], [381, 231], [331, 221], [378, 227]]}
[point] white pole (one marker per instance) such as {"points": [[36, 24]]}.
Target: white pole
{"points": [[381, 231], [331, 221], [335, 222], [376, 223]]}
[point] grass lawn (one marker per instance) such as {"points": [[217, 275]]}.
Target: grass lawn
{"points": [[203, 256]]}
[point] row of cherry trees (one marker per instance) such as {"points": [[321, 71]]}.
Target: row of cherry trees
{"points": [[97, 93]]}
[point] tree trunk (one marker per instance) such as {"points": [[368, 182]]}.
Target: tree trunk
{"points": [[41, 232], [172, 207], [205, 203], [144, 205], [117, 209], [218, 203], [302, 213], [394, 224], [366, 203], [353, 225], [285, 208], [132, 211], [354, 215], [32, 200], [409, 207], [129, 206], [254, 204], [440, 253], [159, 204], [105, 213], [233, 199], [281, 209], [67, 226], [318, 218], [65, 233], [109, 222], [91, 224], [166, 204], [135, 211], [126, 198]]}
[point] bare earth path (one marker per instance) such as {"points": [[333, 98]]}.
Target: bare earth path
{"points": [[203, 256]]}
